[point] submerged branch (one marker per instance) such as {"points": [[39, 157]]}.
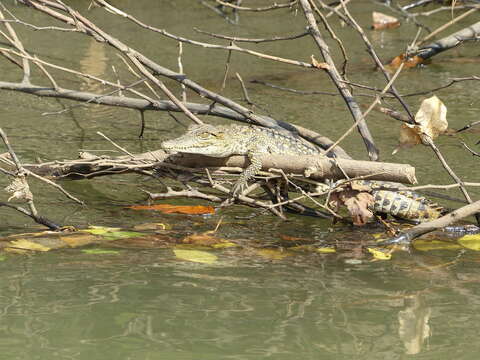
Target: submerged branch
{"points": [[408, 236]]}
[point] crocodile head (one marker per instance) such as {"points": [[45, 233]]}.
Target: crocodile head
{"points": [[202, 139]]}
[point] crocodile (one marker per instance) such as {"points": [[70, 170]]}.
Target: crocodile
{"points": [[226, 140], [402, 204]]}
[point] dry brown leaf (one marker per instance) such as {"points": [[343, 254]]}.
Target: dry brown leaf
{"points": [[431, 121], [358, 207], [410, 62], [79, 239], [180, 209], [382, 21], [357, 203]]}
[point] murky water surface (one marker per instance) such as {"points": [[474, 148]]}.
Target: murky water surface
{"points": [[147, 304]]}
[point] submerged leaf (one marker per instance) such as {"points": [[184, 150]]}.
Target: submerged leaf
{"points": [[273, 254], [428, 245], [470, 241], [99, 230], [25, 244], [202, 239], [380, 254], [152, 226], [99, 251], [115, 235], [76, 239], [326, 250], [195, 256], [224, 245], [180, 209]]}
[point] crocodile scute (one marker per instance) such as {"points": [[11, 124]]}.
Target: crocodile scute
{"points": [[402, 204]]}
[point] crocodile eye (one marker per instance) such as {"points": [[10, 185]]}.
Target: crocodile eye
{"points": [[204, 135]]}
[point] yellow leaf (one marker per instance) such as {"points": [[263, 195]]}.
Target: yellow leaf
{"points": [[224, 245], [99, 251], [326, 250], [115, 235], [195, 256], [432, 117], [15, 251], [99, 230], [427, 245], [379, 254], [470, 241], [153, 226], [25, 244], [431, 121]]}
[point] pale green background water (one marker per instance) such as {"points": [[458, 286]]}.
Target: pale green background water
{"points": [[145, 304]]}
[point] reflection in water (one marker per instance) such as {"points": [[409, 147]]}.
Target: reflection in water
{"points": [[413, 323], [95, 62], [147, 305]]}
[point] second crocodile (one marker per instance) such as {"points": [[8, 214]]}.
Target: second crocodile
{"points": [[403, 204]]}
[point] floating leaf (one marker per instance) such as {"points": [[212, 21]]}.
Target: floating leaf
{"points": [[76, 240], [382, 21], [195, 256], [380, 254], [431, 121], [295, 239], [224, 245], [115, 235], [273, 254], [25, 244], [206, 239], [15, 251], [152, 226], [326, 250], [99, 230], [99, 251], [180, 209], [202, 239], [470, 241], [428, 245]]}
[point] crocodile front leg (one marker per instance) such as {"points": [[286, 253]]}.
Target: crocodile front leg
{"points": [[255, 165]]}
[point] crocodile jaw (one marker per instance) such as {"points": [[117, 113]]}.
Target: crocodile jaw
{"points": [[191, 147]]}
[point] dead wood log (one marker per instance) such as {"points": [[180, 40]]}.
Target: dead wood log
{"points": [[313, 167], [471, 33]]}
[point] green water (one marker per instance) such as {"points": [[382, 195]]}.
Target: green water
{"points": [[145, 303]]}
